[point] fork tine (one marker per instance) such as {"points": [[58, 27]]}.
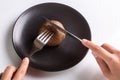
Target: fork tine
{"points": [[40, 42], [42, 34], [48, 38]]}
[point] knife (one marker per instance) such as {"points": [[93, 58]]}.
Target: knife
{"points": [[63, 30]]}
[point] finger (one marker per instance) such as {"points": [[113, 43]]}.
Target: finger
{"points": [[20, 73], [8, 73], [109, 48], [104, 67], [101, 52]]}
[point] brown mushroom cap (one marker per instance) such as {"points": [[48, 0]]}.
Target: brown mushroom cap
{"points": [[58, 36]]}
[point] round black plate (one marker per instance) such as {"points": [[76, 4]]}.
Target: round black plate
{"points": [[58, 58]]}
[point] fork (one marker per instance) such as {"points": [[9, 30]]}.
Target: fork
{"points": [[41, 40]]}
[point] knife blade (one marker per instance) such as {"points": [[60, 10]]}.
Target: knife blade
{"points": [[63, 30]]}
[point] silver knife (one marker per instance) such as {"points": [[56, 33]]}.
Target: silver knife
{"points": [[63, 30]]}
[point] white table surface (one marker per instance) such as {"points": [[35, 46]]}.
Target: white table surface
{"points": [[103, 17]]}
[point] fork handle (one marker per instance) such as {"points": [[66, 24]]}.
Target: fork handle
{"points": [[33, 51]]}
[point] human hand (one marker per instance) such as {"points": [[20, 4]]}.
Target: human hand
{"points": [[107, 57], [12, 73]]}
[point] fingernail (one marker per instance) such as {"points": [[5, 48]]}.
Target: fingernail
{"points": [[84, 40], [26, 59]]}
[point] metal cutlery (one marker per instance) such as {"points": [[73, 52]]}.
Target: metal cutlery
{"points": [[41, 40], [63, 30]]}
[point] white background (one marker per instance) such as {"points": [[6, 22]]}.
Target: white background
{"points": [[103, 17]]}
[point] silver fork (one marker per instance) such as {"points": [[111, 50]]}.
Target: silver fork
{"points": [[41, 40]]}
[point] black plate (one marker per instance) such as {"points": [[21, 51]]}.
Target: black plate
{"points": [[58, 58]]}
